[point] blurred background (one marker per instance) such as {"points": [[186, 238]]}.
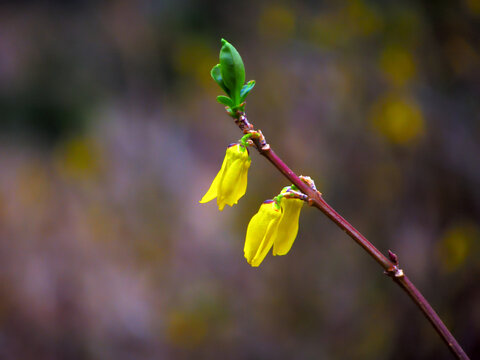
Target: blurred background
{"points": [[110, 134]]}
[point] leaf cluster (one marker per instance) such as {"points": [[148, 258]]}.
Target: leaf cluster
{"points": [[230, 75]]}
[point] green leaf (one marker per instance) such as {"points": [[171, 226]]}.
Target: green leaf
{"points": [[216, 74], [246, 89], [225, 100], [232, 70]]}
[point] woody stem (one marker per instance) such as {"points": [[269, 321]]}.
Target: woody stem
{"points": [[389, 265]]}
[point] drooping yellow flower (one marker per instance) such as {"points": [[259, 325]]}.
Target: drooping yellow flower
{"points": [[275, 224], [288, 225], [230, 184], [261, 232]]}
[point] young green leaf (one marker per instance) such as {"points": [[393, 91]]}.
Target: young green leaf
{"points": [[246, 89], [216, 74], [225, 100], [232, 70]]}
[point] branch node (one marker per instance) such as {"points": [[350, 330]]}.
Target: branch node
{"points": [[399, 273], [394, 272], [260, 139], [309, 181], [242, 122]]}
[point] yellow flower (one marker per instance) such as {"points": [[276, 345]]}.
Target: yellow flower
{"points": [[230, 183], [261, 232], [288, 225], [274, 225]]}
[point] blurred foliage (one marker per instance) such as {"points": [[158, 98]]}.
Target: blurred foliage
{"points": [[110, 134]]}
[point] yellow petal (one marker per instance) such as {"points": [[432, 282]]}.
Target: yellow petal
{"points": [[213, 190], [261, 232], [230, 181], [287, 226], [241, 188], [266, 243], [239, 185]]}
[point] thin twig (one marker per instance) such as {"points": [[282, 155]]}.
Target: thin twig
{"points": [[390, 264]]}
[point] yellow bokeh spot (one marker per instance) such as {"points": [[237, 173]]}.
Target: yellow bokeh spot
{"points": [[79, 158], [456, 244], [277, 22], [398, 64], [399, 120]]}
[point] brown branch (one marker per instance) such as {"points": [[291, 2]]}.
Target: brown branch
{"points": [[390, 264]]}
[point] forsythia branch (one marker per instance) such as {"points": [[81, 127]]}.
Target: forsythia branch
{"points": [[280, 215], [390, 264]]}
